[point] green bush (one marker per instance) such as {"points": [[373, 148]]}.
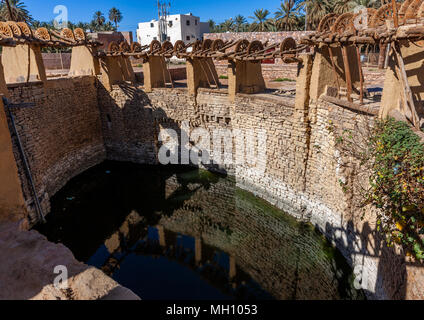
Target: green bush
{"points": [[397, 184], [283, 80]]}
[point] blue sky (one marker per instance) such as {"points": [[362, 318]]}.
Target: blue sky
{"points": [[143, 10]]}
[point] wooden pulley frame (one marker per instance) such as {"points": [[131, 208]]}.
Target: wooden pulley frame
{"points": [[42, 34], [361, 19], [327, 22], [155, 46], [16, 30], [344, 24], [403, 9], [67, 34], [206, 44], [383, 14], [288, 44], [80, 34], [113, 47], [124, 46], [420, 12], [179, 48], [135, 47], [167, 47], [217, 45], [241, 46], [5, 30], [255, 46], [25, 28], [197, 46]]}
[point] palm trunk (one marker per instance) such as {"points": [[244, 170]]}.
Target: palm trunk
{"points": [[10, 10], [382, 56]]}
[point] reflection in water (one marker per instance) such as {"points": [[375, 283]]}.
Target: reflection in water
{"points": [[183, 233]]}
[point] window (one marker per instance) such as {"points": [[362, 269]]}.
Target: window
{"points": [[188, 38], [195, 22], [168, 38], [170, 24], [152, 25], [188, 22], [155, 38]]}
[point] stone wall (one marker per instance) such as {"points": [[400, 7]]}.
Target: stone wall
{"points": [[304, 168], [271, 37], [177, 73], [76, 123], [61, 134], [270, 72]]}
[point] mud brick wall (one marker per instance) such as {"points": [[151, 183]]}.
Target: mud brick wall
{"points": [[270, 72], [179, 73], [61, 134], [54, 61]]}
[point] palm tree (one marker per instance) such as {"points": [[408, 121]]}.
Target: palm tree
{"points": [[227, 25], [212, 25], [108, 26], [115, 16], [367, 3], [240, 23], [343, 6], [17, 9], [261, 22], [99, 18], [287, 14], [83, 25], [317, 9]]}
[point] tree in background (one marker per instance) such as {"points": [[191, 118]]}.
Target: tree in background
{"points": [[227, 25], [97, 24], [343, 6], [368, 3], [115, 16], [99, 18], [287, 15], [240, 23], [261, 22], [17, 9], [212, 25], [317, 9]]}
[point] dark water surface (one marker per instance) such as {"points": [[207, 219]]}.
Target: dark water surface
{"points": [[183, 233]]}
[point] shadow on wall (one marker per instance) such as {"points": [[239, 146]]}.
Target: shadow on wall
{"points": [[391, 273], [132, 126]]}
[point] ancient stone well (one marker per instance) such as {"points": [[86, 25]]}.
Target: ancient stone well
{"points": [[51, 130]]}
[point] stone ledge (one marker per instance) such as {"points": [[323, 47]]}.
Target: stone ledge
{"points": [[28, 270]]}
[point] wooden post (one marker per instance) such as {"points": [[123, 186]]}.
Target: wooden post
{"points": [[361, 75], [406, 89], [334, 70], [347, 73]]}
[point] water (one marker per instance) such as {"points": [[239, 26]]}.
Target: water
{"points": [[183, 233]]}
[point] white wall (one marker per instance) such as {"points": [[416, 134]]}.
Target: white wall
{"points": [[180, 27]]}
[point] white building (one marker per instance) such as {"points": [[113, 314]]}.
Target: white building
{"points": [[184, 27]]}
